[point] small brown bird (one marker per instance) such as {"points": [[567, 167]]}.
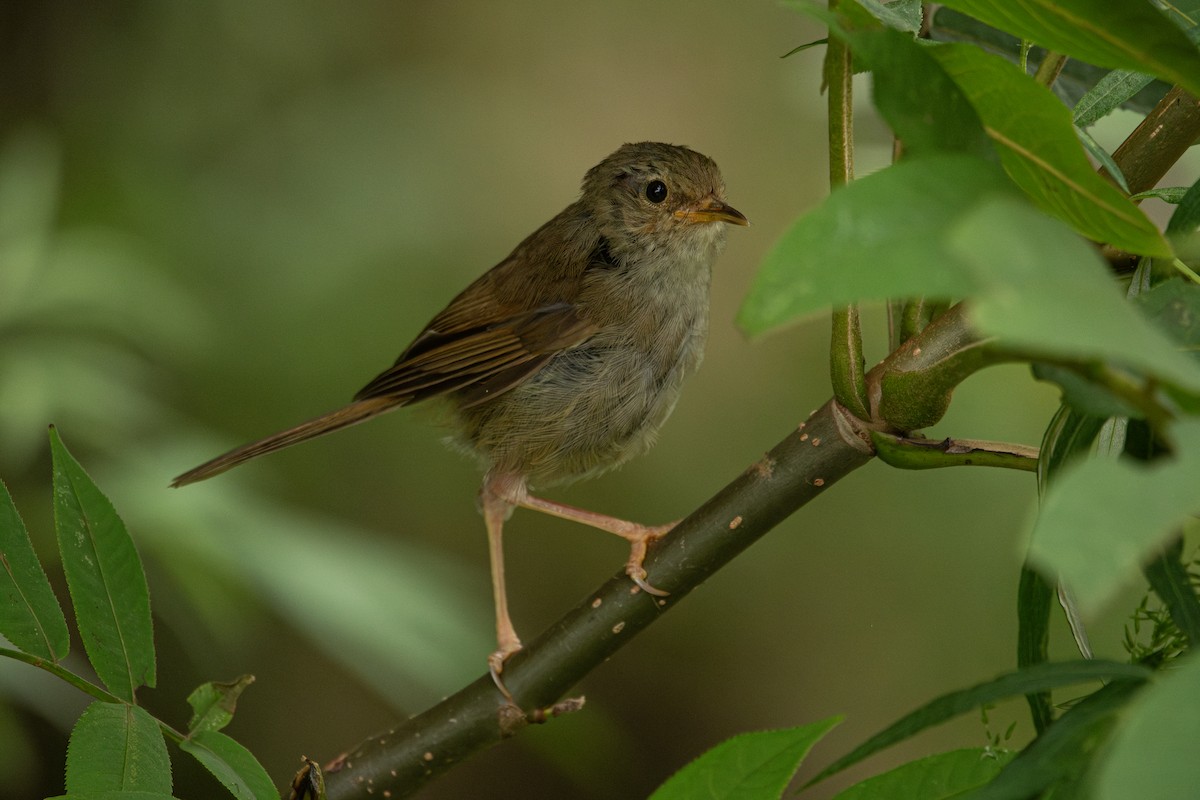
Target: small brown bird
{"points": [[563, 360]]}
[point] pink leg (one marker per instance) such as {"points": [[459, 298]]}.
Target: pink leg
{"points": [[495, 510], [638, 536]]}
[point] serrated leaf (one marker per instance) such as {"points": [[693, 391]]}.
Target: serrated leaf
{"points": [[750, 766], [1038, 146], [1124, 35], [30, 615], [1152, 755], [232, 764], [1103, 519], [105, 577], [938, 777], [1038, 678], [1044, 290], [213, 703], [1062, 753], [114, 747]]}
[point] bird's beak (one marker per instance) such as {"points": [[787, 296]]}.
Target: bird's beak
{"points": [[712, 210]]}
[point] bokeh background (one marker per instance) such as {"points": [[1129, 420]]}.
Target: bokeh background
{"points": [[219, 219]]}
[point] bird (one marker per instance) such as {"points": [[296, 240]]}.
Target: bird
{"points": [[562, 361]]}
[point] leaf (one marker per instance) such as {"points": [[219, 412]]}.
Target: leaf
{"points": [[922, 104], [1038, 678], [900, 15], [1168, 194], [1125, 35], [1043, 289], [213, 703], [232, 764], [30, 615], [1102, 520], [1110, 93], [1186, 219], [1063, 752], [1041, 152], [115, 795], [750, 766], [1174, 306], [1152, 756], [1169, 578], [1034, 595], [897, 217], [104, 574], [115, 746], [937, 777]]}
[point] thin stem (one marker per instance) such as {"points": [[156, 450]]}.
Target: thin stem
{"points": [[847, 366], [83, 685], [1048, 71]]}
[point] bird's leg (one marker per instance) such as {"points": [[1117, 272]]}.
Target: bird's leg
{"points": [[638, 536], [495, 510]]}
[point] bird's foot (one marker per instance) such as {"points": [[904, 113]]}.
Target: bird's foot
{"points": [[496, 665], [639, 540]]}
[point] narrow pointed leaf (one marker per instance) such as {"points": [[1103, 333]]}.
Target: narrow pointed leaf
{"points": [[1040, 150], [1102, 520], [938, 777], [751, 766], [1061, 755], [1128, 35], [1109, 94], [104, 574], [232, 764], [30, 616], [1041, 677], [114, 747]]}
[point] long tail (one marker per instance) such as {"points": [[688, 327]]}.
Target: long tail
{"points": [[334, 420]]}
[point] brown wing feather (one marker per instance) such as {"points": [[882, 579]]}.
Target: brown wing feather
{"points": [[516, 347]]}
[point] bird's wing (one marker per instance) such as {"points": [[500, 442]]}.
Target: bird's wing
{"points": [[482, 358]]}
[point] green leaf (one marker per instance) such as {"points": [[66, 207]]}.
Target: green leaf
{"points": [[117, 747], [1124, 35], [1034, 601], [1170, 580], [922, 104], [1174, 306], [1109, 94], [104, 574], [884, 235], [751, 766], [1063, 752], [115, 795], [1102, 520], [1041, 677], [1041, 152], [1168, 194], [232, 764], [938, 777], [1042, 289], [1152, 756], [900, 15], [30, 616], [1186, 219], [213, 704]]}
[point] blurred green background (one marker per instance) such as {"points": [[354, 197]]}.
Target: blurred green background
{"points": [[219, 219]]}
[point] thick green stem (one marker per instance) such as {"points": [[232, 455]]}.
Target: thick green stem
{"points": [[1050, 68], [914, 453], [846, 364]]}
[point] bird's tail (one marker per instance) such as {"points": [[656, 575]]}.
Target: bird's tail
{"points": [[335, 420]]}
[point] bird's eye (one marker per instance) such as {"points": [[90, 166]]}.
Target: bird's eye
{"points": [[656, 191]]}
